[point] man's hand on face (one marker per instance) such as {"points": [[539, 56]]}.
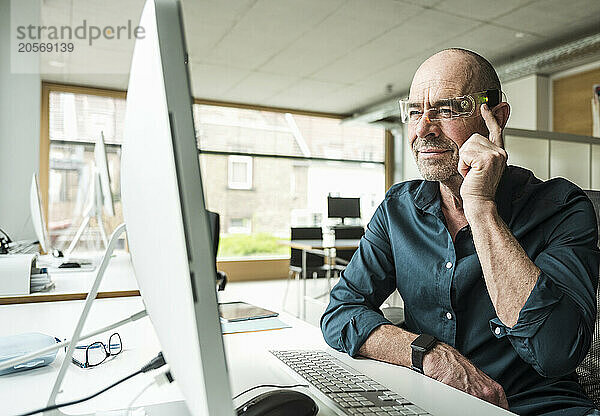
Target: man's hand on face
{"points": [[447, 365], [481, 162]]}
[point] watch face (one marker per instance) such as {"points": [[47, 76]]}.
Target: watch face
{"points": [[424, 342]]}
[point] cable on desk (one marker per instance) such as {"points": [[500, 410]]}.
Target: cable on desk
{"points": [[270, 385], [155, 363], [160, 379]]}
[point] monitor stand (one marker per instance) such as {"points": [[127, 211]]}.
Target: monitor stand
{"points": [[342, 224]]}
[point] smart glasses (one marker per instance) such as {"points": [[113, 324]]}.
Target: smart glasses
{"points": [[449, 108]]}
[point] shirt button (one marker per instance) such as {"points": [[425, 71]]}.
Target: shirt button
{"points": [[448, 315], [449, 265], [497, 330]]}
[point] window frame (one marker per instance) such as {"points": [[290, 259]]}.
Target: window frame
{"points": [[47, 88], [44, 161], [241, 185]]}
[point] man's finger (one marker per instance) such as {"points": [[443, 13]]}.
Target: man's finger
{"points": [[492, 126], [463, 168]]}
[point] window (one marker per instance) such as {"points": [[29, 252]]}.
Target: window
{"points": [[240, 172], [76, 118], [239, 226], [263, 171], [260, 132], [291, 162]]}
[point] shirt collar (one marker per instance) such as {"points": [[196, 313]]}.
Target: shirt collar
{"points": [[427, 196]]}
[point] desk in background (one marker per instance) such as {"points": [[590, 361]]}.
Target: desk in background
{"points": [[74, 284], [326, 248]]}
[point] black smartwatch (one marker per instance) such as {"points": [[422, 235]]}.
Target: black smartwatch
{"points": [[420, 346]]}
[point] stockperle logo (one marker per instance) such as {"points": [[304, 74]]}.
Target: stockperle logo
{"points": [[84, 31]]}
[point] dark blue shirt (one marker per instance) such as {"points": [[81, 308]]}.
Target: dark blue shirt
{"points": [[407, 247]]}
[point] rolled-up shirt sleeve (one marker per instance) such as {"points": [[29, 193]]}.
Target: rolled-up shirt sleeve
{"points": [[554, 328], [353, 311]]}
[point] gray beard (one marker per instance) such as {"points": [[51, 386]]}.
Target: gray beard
{"points": [[436, 170]]}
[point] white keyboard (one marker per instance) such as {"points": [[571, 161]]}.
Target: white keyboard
{"points": [[352, 392]]}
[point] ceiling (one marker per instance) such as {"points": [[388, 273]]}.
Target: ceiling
{"points": [[335, 56]]}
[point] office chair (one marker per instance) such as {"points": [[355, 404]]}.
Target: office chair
{"points": [[342, 256], [215, 229], [315, 264], [588, 371], [350, 233]]}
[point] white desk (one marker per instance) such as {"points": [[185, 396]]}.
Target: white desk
{"points": [[249, 361], [74, 284]]}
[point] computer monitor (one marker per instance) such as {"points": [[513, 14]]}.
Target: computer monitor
{"points": [[343, 207], [101, 162], [37, 215], [164, 210]]}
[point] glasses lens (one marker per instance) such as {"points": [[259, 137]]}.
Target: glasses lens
{"points": [[410, 112], [464, 106], [444, 109], [114, 344], [96, 353]]}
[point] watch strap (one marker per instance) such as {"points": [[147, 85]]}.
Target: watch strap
{"points": [[417, 360], [421, 346]]}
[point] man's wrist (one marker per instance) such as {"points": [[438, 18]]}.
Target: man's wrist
{"points": [[431, 360], [477, 210]]}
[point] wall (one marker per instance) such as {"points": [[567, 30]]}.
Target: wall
{"points": [[572, 102], [570, 93], [529, 99], [19, 134]]}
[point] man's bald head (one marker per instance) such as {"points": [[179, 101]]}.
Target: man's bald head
{"points": [[466, 70], [447, 74]]}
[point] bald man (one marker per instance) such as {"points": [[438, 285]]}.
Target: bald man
{"points": [[497, 269]]}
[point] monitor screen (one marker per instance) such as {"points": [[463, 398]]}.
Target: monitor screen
{"points": [[343, 207], [168, 228], [101, 163], [37, 215]]}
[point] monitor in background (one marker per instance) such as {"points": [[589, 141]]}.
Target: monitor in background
{"points": [[101, 162], [343, 207], [37, 215], [167, 224], [41, 230], [99, 196]]}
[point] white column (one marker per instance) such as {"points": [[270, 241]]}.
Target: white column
{"points": [[19, 130]]}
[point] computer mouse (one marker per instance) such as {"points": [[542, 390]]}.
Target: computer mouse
{"points": [[279, 403], [69, 265]]}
